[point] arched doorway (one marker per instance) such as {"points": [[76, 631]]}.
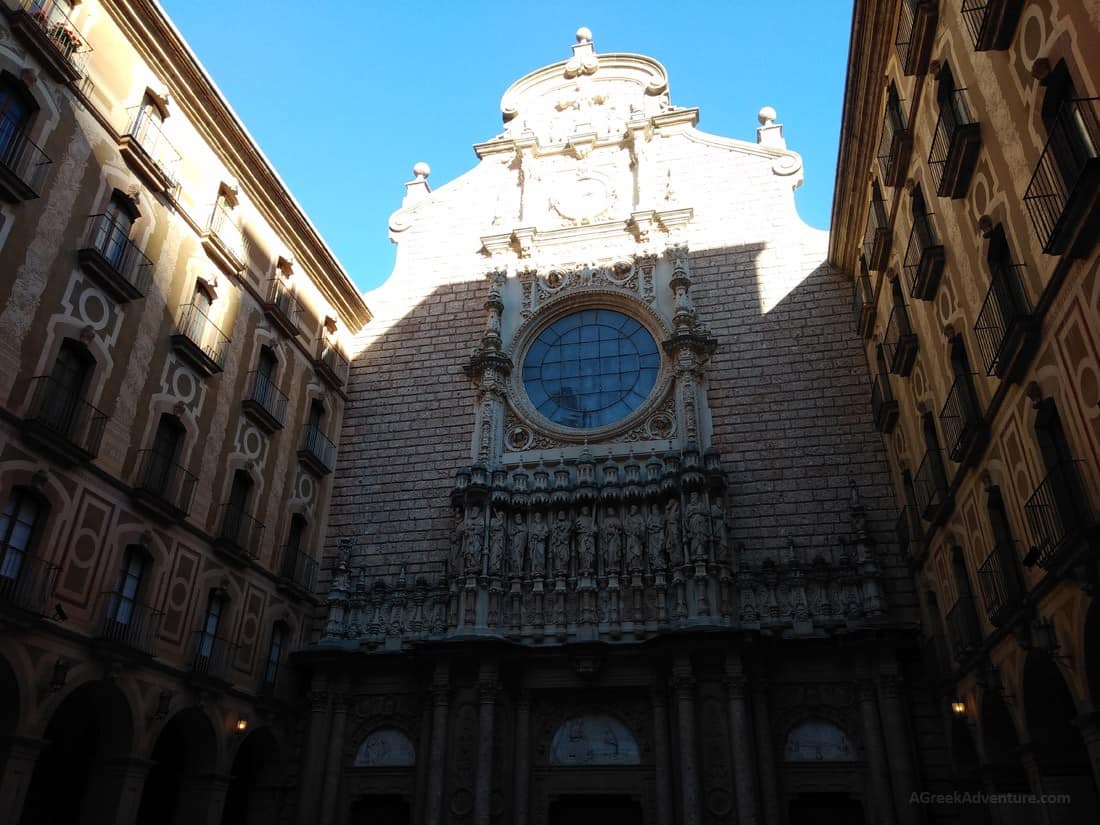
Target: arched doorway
{"points": [[819, 769], [180, 784], [1002, 759], [1056, 743], [967, 769], [76, 778], [254, 794]]}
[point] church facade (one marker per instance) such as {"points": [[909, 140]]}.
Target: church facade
{"points": [[612, 535]]}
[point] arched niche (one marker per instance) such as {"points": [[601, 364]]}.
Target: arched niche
{"points": [[594, 740], [385, 748], [817, 741]]}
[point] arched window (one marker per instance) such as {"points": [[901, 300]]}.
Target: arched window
{"points": [[112, 237], [160, 465], [17, 110], [818, 741], [20, 527], [124, 598], [211, 624], [58, 403], [279, 637], [1059, 509], [263, 388], [237, 524]]}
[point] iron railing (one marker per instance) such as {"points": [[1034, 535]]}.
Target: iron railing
{"points": [[930, 485], [128, 623], [203, 333], [960, 416], [1058, 510], [893, 144], [162, 479], [955, 115], [112, 241], [876, 236], [264, 393], [975, 15], [281, 299], [26, 582], [922, 243], [962, 625], [999, 580], [318, 446], [1004, 308], [333, 361], [298, 567], [898, 335], [907, 530], [863, 304], [991, 23], [52, 16], [212, 657], [240, 531], [222, 226], [66, 415], [1074, 141], [147, 130], [882, 397], [21, 157]]}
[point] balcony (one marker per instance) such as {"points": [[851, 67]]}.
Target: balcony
{"points": [[884, 407], [164, 487], [212, 660], [224, 241], [26, 584], [1005, 328], [265, 403], [955, 146], [23, 166], [908, 532], [298, 570], [965, 431], [331, 365], [863, 305], [62, 423], [240, 535], [1059, 514], [318, 453], [894, 148], [876, 237], [962, 627], [1001, 584], [128, 626], [199, 341], [1063, 197], [44, 26], [916, 30], [924, 258], [148, 152], [282, 308], [991, 23], [899, 343], [115, 262], [933, 498]]}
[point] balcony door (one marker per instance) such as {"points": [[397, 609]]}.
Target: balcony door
{"points": [[1072, 126], [16, 110], [236, 509], [211, 624], [124, 599], [18, 522], [161, 469], [114, 232], [60, 409], [265, 378]]}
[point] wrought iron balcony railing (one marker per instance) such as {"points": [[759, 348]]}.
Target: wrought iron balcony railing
{"points": [[212, 657], [240, 533], [318, 453], [331, 363], [1003, 319], [128, 623], [961, 418], [199, 340], [1001, 584], [916, 29], [23, 166], [265, 403], [962, 626], [876, 237], [115, 261], [26, 582], [224, 240], [62, 45], [955, 145], [61, 420], [991, 23], [907, 529], [899, 342], [146, 131], [298, 568], [165, 484], [1061, 197], [283, 308], [884, 407], [894, 146], [863, 305], [930, 488], [1058, 512], [924, 259]]}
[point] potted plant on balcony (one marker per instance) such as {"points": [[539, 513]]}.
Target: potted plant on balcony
{"points": [[66, 40]]}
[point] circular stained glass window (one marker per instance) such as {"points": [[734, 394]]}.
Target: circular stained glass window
{"points": [[591, 368]]}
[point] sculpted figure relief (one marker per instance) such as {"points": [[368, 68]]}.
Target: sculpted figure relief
{"points": [[586, 540], [518, 544], [611, 539], [475, 537], [540, 531], [697, 527], [458, 537], [635, 538], [497, 539], [655, 529], [674, 546], [718, 530], [560, 534]]}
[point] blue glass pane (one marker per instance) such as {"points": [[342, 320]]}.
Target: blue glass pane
{"points": [[591, 368]]}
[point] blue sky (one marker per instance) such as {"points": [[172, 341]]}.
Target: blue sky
{"points": [[344, 97]]}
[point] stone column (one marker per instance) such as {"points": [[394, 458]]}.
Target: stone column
{"points": [[18, 756], [741, 740], [334, 763], [486, 697], [114, 792], [201, 799], [437, 759], [882, 802], [522, 764], [765, 749], [660, 748], [313, 753], [1034, 780], [1089, 725], [683, 685], [902, 770]]}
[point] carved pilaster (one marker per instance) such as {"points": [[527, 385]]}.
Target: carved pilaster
{"points": [[876, 753], [441, 701], [487, 689], [741, 739], [683, 688], [522, 765]]}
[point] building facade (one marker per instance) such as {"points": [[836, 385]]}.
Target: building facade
{"points": [[171, 387], [612, 537], [966, 214]]}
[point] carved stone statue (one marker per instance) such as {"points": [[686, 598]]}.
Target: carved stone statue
{"points": [[674, 546], [540, 531], [635, 538], [718, 530], [655, 528], [475, 537], [586, 540], [560, 534], [458, 536], [697, 527], [611, 539], [497, 540], [518, 547]]}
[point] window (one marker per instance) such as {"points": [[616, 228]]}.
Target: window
{"points": [[61, 405], [297, 531], [125, 596], [163, 457], [212, 623], [274, 654], [1072, 125], [113, 234], [19, 526], [264, 388], [316, 416], [17, 109], [893, 152], [591, 368]]}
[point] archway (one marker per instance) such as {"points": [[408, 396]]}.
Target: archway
{"points": [[254, 793], [1092, 653], [179, 787], [1056, 743], [1002, 758], [77, 778], [967, 769]]}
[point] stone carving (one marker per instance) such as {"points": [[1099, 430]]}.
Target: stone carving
{"points": [[559, 543], [540, 532], [636, 532], [697, 526], [458, 540], [594, 740], [497, 539], [586, 540], [475, 537], [674, 548], [518, 544], [655, 531], [817, 741], [385, 748]]}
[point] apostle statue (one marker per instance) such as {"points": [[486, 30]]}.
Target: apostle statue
{"points": [[655, 529], [611, 540], [635, 526], [674, 546], [497, 539], [475, 537], [698, 528], [560, 534], [458, 536], [586, 540], [518, 546], [540, 531], [718, 530]]}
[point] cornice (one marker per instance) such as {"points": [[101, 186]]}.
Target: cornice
{"points": [[870, 43], [160, 44]]}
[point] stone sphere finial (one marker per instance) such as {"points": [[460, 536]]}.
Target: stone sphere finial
{"points": [[584, 34], [766, 115], [422, 170]]}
